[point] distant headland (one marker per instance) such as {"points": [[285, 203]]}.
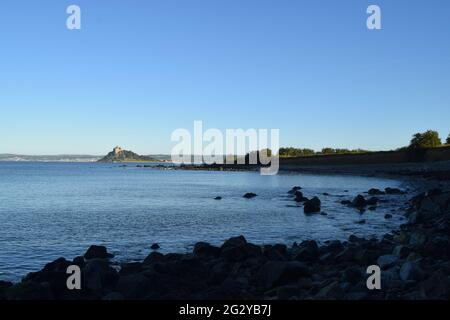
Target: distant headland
{"points": [[120, 155]]}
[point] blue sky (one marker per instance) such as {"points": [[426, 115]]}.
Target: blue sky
{"points": [[137, 70]]}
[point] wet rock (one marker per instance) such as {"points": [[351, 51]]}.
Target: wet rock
{"points": [[393, 191], [250, 195], [388, 216], [312, 206], [359, 201], [387, 261], [155, 246], [218, 198], [363, 221], [294, 189], [372, 201], [375, 191], [97, 252], [299, 197]]}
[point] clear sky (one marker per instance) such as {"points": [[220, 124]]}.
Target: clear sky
{"points": [[137, 70]]}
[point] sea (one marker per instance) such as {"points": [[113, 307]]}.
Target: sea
{"points": [[52, 209]]}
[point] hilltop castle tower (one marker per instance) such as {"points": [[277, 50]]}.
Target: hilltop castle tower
{"points": [[117, 150]]}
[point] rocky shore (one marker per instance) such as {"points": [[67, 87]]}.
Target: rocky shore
{"points": [[415, 264]]}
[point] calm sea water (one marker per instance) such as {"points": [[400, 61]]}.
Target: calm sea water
{"points": [[48, 210]]}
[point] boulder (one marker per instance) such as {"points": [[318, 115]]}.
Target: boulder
{"points": [[218, 198], [299, 197], [133, 286], [395, 191], [401, 251], [375, 191], [307, 251], [278, 273], [372, 201], [238, 249], [204, 249], [294, 189], [155, 246], [97, 252], [352, 275], [411, 271], [312, 206], [250, 195], [359, 201], [387, 261], [153, 257], [98, 276]]}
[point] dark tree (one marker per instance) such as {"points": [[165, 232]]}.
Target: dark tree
{"points": [[428, 139]]}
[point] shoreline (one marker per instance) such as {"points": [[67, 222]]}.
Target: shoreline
{"points": [[415, 263]]}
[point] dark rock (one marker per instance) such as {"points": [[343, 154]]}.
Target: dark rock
{"points": [[97, 252], [299, 197], [312, 206], [372, 201], [375, 191], [277, 273], [29, 290], [276, 252], [352, 275], [393, 191], [250, 195], [401, 251], [155, 246], [346, 202], [133, 286], [218, 198], [359, 201], [307, 251], [411, 270], [113, 296], [206, 250], [388, 216], [153, 257], [79, 261], [294, 189], [363, 221], [98, 276], [238, 249], [354, 239], [386, 261]]}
